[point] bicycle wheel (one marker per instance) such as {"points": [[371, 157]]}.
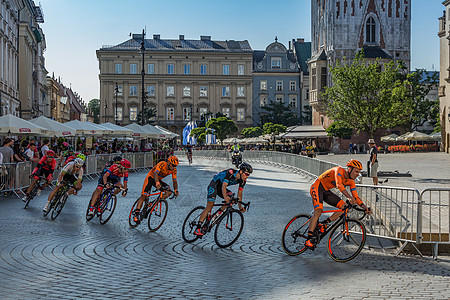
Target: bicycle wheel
{"points": [[107, 207], [131, 216], [345, 244], [157, 215], [295, 234], [55, 200], [32, 194], [229, 228], [59, 206], [190, 224]]}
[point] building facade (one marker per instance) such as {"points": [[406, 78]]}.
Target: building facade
{"points": [[276, 77], [184, 80], [59, 101], [444, 76], [341, 28]]}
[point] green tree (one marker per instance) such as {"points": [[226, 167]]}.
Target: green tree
{"points": [[94, 109], [252, 132], [339, 130], [273, 130], [279, 113], [365, 96], [222, 126], [200, 134], [149, 115]]}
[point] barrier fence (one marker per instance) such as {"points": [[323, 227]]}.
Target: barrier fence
{"points": [[402, 214]]}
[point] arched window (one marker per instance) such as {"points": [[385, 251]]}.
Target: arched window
{"points": [[370, 30]]}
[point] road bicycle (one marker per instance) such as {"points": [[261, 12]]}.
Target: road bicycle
{"points": [[59, 200], [155, 211], [34, 191], [105, 206], [346, 240], [189, 157], [229, 223]]}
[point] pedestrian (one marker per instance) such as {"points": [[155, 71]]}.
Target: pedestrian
{"points": [[31, 153], [355, 148], [350, 148], [8, 158], [373, 161], [45, 147]]}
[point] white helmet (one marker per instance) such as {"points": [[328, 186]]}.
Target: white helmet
{"points": [[79, 162]]}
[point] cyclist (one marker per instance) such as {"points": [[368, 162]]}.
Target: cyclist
{"points": [[218, 187], [112, 176], [236, 156], [154, 176], [73, 173], [320, 191], [67, 156], [189, 152], [45, 168]]}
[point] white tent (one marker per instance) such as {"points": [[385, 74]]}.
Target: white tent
{"points": [[154, 132], [436, 136], [389, 138], [169, 133], [232, 140], [13, 125], [117, 130], [138, 130], [87, 128], [414, 136], [55, 128]]}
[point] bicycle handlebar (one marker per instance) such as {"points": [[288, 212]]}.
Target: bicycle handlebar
{"points": [[166, 189], [356, 207], [234, 200]]}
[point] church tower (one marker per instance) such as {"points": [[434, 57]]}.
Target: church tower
{"points": [[341, 28]]}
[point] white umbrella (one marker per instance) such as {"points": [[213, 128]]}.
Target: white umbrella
{"points": [[154, 132], [117, 130], [56, 129], [138, 130], [169, 133], [13, 125], [417, 136], [87, 128], [389, 138], [436, 136]]}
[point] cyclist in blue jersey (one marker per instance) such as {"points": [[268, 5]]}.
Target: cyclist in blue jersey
{"points": [[218, 187]]}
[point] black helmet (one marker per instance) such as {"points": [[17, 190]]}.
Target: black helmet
{"points": [[246, 167], [117, 158]]}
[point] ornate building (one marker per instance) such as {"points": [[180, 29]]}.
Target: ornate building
{"points": [[184, 80], [444, 76]]}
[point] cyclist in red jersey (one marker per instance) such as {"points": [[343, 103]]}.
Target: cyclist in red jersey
{"points": [[45, 168], [321, 191]]}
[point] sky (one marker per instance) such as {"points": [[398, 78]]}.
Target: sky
{"points": [[74, 30]]}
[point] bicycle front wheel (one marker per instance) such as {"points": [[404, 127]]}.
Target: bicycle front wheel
{"points": [[107, 207], [131, 216], [31, 195], [190, 224], [229, 228], [295, 235], [346, 240], [59, 206], [157, 215]]}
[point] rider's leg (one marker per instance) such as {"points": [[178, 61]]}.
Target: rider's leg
{"points": [[95, 195], [50, 197], [31, 186], [205, 212], [314, 219]]}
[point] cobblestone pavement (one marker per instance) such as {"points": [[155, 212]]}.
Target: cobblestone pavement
{"points": [[71, 259]]}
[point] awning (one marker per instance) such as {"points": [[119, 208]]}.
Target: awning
{"points": [[299, 132]]}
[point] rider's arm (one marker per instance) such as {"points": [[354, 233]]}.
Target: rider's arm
{"points": [[224, 190], [339, 178], [156, 177], [125, 181], [105, 177]]}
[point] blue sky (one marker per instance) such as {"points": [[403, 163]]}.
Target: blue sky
{"points": [[74, 30]]}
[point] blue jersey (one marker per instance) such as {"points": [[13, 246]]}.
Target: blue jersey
{"points": [[228, 176]]}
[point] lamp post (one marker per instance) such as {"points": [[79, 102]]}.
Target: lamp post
{"points": [[143, 76], [106, 107], [116, 90]]}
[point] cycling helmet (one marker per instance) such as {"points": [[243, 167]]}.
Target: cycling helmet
{"points": [[117, 158], [78, 162], [50, 153], [125, 163], [246, 167], [81, 156], [173, 160], [355, 164]]}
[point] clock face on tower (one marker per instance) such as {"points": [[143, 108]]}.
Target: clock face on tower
{"points": [[292, 66], [259, 65]]}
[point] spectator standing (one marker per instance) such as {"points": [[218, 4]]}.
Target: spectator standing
{"points": [[7, 151], [350, 148], [45, 148], [31, 153], [373, 161]]}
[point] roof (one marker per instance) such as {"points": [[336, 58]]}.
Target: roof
{"points": [[303, 53], [375, 52], [319, 56], [304, 132], [258, 55]]}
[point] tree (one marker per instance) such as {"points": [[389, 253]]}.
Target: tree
{"points": [[339, 130], [222, 126], [252, 132], [94, 109], [279, 113], [365, 95], [200, 134], [273, 130], [149, 115]]}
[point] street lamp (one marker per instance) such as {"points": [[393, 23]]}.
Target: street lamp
{"points": [[116, 91], [143, 76], [106, 107]]}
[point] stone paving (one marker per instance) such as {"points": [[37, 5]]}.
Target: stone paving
{"points": [[71, 259]]}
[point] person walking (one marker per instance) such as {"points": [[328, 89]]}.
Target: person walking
{"points": [[373, 161]]}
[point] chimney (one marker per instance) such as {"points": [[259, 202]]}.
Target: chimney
{"points": [[181, 37], [205, 37], [156, 36], [301, 41]]}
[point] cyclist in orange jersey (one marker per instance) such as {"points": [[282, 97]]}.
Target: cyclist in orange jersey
{"points": [[320, 191]]}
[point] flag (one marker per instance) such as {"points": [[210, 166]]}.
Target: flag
{"points": [[187, 131]]}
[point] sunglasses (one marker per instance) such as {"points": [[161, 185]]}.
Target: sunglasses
{"points": [[247, 174]]}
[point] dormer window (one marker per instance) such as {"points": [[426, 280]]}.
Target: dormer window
{"points": [[370, 30]]}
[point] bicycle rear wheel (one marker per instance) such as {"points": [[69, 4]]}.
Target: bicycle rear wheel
{"points": [[107, 207], [59, 206], [190, 224], [295, 234], [345, 242], [32, 194], [229, 228], [131, 215], [157, 215]]}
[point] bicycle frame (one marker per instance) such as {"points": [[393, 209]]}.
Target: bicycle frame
{"points": [[229, 207]]}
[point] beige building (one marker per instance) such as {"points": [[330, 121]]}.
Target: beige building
{"points": [[59, 102], [184, 80], [444, 76]]}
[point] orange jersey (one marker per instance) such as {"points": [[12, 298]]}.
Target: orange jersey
{"points": [[334, 177], [162, 171]]}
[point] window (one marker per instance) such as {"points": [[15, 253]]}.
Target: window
{"points": [[203, 111], [241, 70], [225, 91], [151, 91], [314, 78], [279, 98], [186, 91], [241, 91], [119, 114], [170, 91], [118, 68], [203, 91], [187, 113], [120, 90], [150, 68], [241, 114], [323, 78], [262, 100], [263, 85], [226, 69], [279, 85], [170, 69], [133, 68], [133, 90], [226, 111], [187, 69], [276, 62], [133, 113], [370, 30], [203, 69], [292, 101], [170, 116], [292, 86]]}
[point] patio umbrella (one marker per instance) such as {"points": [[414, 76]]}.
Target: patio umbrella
{"points": [[13, 125], [118, 130], [389, 138], [87, 128], [169, 133], [436, 136], [138, 131], [154, 132], [417, 136], [55, 128], [402, 138]]}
